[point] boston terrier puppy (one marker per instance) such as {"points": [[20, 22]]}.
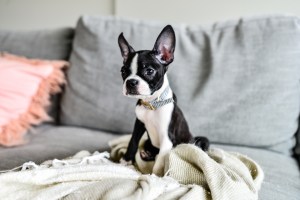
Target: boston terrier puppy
{"points": [[145, 77]]}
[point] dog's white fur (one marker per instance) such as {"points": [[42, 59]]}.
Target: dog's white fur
{"points": [[157, 125]]}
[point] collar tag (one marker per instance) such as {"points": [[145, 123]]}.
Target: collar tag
{"points": [[147, 105]]}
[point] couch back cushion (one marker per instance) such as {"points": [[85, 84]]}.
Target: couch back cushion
{"points": [[52, 44], [49, 44], [237, 82]]}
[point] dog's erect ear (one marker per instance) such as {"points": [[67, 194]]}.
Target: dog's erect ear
{"points": [[165, 45], [124, 47]]}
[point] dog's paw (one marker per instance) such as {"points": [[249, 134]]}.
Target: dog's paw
{"points": [[202, 142], [124, 162], [147, 155]]}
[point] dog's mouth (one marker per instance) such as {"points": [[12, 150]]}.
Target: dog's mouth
{"points": [[135, 94], [132, 93], [140, 91]]}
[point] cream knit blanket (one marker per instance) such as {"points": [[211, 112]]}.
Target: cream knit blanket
{"points": [[191, 174]]}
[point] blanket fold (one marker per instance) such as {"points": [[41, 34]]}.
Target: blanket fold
{"points": [[190, 174], [221, 174]]}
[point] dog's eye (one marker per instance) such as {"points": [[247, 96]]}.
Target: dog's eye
{"points": [[149, 71], [123, 71]]}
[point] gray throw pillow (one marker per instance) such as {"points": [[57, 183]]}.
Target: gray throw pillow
{"points": [[237, 82]]}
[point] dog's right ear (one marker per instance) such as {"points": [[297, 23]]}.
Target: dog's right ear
{"points": [[124, 47], [165, 45]]}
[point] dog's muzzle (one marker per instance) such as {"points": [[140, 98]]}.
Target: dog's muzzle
{"points": [[131, 87]]}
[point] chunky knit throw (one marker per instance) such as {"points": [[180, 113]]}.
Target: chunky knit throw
{"points": [[190, 174]]}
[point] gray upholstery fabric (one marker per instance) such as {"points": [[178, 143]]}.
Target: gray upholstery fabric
{"points": [[237, 82], [49, 142], [93, 96], [42, 44]]}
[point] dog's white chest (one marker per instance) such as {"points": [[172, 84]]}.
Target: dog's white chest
{"points": [[156, 121]]}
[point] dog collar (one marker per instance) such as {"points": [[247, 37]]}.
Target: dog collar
{"points": [[159, 101]]}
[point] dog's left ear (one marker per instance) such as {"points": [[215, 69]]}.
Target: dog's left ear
{"points": [[165, 45], [124, 47]]}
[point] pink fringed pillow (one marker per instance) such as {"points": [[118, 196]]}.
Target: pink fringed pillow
{"points": [[25, 88]]}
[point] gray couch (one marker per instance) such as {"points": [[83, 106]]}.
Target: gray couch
{"points": [[237, 83]]}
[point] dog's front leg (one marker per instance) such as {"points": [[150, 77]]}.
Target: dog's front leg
{"points": [[165, 147], [138, 132]]}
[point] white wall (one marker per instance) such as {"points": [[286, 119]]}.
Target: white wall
{"points": [[202, 11], [39, 14]]}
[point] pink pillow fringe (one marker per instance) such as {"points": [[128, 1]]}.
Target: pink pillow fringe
{"points": [[12, 134]]}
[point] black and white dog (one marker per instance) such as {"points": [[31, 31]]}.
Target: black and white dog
{"points": [[157, 114]]}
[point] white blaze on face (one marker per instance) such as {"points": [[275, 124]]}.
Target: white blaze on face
{"points": [[143, 88], [134, 65]]}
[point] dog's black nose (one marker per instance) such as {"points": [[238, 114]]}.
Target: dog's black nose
{"points": [[131, 83]]}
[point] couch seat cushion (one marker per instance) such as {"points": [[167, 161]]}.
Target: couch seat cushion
{"points": [[49, 142]]}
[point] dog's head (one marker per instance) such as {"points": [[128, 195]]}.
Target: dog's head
{"points": [[143, 71]]}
